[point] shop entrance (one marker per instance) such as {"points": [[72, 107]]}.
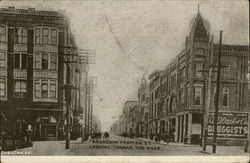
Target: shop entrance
{"points": [[45, 128]]}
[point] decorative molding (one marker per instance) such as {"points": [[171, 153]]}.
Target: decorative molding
{"points": [[20, 73], [47, 48], [45, 74], [20, 48], [3, 72]]}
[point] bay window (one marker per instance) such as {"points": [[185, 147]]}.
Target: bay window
{"points": [[20, 61], [20, 88], [44, 88], [53, 36], [37, 61], [37, 36], [3, 59], [3, 34], [53, 61], [197, 95], [52, 89], [45, 35], [44, 61], [21, 35], [37, 89], [2, 87]]}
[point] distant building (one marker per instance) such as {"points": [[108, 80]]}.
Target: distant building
{"points": [[143, 106], [126, 124], [33, 45]]}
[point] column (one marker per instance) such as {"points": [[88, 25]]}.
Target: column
{"points": [[176, 129], [189, 127], [184, 126], [180, 138]]}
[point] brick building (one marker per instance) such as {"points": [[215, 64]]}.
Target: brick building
{"points": [[143, 106], [33, 44], [177, 94]]}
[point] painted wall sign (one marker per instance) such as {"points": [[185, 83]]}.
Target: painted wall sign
{"points": [[229, 125]]}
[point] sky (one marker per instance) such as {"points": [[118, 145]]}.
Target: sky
{"points": [[132, 38]]}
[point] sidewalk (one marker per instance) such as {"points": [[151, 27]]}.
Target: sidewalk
{"points": [[221, 150], [165, 143]]}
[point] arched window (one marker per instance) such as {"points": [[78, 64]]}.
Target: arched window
{"points": [[200, 51], [172, 104]]}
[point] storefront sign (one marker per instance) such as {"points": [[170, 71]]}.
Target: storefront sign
{"points": [[229, 125]]}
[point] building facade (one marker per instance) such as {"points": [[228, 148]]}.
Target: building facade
{"points": [[143, 105], [35, 48], [178, 93], [127, 122]]}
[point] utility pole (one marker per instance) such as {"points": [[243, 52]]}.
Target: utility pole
{"points": [[85, 101], [207, 107], [217, 95], [68, 88], [86, 59]]}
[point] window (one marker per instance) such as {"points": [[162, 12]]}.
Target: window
{"points": [[53, 61], [37, 36], [189, 70], [2, 34], [52, 89], [20, 61], [18, 35], [38, 61], [2, 87], [182, 97], [182, 74], [2, 59], [197, 95], [24, 61], [37, 89], [24, 36], [225, 100], [17, 61], [45, 35], [214, 95], [188, 96], [198, 68], [44, 88], [173, 81], [53, 36], [226, 72], [20, 88], [44, 61], [21, 35]]}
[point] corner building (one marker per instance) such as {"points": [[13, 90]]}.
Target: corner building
{"points": [[33, 45], [178, 93]]}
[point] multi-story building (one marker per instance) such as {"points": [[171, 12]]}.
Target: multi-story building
{"points": [[126, 124], [178, 94], [154, 103], [34, 48], [143, 105]]}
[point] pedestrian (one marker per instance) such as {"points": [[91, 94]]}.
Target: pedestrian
{"points": [[246, 144]]}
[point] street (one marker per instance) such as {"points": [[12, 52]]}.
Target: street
{"points": [[121, 146]]}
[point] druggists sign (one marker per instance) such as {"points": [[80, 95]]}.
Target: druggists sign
{"points": [[229, 125]]}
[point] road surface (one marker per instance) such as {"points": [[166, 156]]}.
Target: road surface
{"points": [[122, 146]]}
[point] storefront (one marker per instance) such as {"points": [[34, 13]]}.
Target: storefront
{"points": [[45, 128]]}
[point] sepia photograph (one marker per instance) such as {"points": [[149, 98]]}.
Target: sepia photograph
{"points": [[164, 79]]}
